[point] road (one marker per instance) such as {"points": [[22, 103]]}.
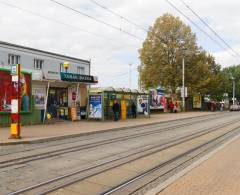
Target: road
{"points": [[127, 161]]}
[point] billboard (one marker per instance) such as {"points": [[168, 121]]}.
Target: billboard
{"points": [[7, 90], [95, 107], [142, 105], [158, 100], [197, 101]]}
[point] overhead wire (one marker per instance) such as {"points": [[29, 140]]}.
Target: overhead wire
{"points": [[118, 15], [210, 28], [196, 25], [59, 22], [96, 19]]}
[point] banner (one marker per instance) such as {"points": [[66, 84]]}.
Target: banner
{"points": [[197, 101], [158, 100], [142, 105], [6, 90], [95, 106], [39, 96]]}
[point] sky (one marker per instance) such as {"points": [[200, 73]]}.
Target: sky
{"points": [[113, 53]]}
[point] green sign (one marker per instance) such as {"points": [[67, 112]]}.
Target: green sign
{"points": [[71, 77]]}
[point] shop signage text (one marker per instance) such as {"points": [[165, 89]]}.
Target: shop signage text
{"points": [[77, 78]]}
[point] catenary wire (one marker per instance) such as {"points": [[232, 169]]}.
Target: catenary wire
{"points": [[96, 19], [118, 15], [210, 28], [62, 23], [196, 25]]}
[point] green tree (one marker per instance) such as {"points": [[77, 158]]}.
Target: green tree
{"points": [[161, 57]]}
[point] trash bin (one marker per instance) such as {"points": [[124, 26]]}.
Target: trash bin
{"points": [[83, 112]]}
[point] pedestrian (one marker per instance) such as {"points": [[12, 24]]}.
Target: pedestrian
{"points": [[176, 107], [133, 108], [116, 110], [171, 106]]}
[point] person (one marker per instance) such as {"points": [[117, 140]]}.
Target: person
{"points": [[115, 109], [171, 106], [134, 112], [176, 107]]}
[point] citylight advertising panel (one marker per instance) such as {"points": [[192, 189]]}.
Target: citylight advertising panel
{"points": [[95, 106], [142, 105], [158, 100], [6, 91]]}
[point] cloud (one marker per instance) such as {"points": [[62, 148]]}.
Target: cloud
{"points": [[111, 55]]}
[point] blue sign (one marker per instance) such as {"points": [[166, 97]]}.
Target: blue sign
{"points": [[95, 106]]}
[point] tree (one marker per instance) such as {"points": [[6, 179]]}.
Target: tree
{"points": [[161, 58]]}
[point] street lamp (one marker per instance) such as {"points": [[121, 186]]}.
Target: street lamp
{"points": [[183, 79], [66, 66], [130, 75], [233, 80]]}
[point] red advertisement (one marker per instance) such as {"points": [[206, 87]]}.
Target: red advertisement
{"points": [[7, 89]]}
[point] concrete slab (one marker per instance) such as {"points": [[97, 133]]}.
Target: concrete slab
{"points": [[42, 133]]}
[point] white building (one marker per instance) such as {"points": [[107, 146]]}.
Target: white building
{"points": [[51, 81]]}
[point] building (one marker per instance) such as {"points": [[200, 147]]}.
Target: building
{"points": [[58, 82]]}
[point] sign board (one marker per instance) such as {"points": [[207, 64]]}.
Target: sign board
{"points": [[8, 90], [95, 107], [77, 78], [158, 100], [14, 69], [197, 101], [182, 92], [142, 105]]}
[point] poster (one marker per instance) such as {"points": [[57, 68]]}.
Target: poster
{"points": [[142, 105], [158, 100], [95, 106], [39, 96], [197, 101], [7, 90]]}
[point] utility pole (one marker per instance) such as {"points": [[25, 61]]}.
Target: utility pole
{"points": [[183, 83], [233, 91]]}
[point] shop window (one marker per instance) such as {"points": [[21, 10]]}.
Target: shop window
{"points": [[80, 70], [13, 59], [38, 64]]}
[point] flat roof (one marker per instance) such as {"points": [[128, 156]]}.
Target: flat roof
{"points": [[42, 51]]}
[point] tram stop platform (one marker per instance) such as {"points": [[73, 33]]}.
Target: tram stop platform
{"points": [[67, 129], [219, 174]]}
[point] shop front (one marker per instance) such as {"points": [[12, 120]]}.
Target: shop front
{"points": [[67, 97]]}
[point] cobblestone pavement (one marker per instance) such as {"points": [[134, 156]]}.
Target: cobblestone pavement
{"points": [[35, 132], [220, 175]]}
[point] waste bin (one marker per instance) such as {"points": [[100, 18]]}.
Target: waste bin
{"points": [[83, 112]]}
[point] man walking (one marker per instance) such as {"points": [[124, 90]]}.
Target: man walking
{"points": [[116, 109]]}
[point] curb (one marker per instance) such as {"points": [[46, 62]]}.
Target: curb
{"points": [[61, 137]]}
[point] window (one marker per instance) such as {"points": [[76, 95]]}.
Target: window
{"points": [[13, 59], [38, 64], [80, 70]]}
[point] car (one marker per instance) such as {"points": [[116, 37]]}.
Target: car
{"points": [[234, 108]]}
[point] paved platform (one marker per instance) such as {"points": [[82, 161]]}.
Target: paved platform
{"points": [[36, 133], [219, 175]]}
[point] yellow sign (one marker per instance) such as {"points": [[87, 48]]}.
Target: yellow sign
{"points": [[197, 101]]}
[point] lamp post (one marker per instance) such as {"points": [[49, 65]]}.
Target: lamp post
{"points": [[183, 83], [233, 80], [66, 66]]}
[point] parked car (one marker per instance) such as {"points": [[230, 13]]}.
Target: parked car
{"points": [[234, 108]]}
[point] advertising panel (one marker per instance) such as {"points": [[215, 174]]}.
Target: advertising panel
{"points": [[39, 96], [197, 101], [142, 105], [6, 90], [95, 106], [158, 100]]}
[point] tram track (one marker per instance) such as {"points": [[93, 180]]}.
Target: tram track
{"points": [[79, 175], [208, 147], [53, 153]]}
